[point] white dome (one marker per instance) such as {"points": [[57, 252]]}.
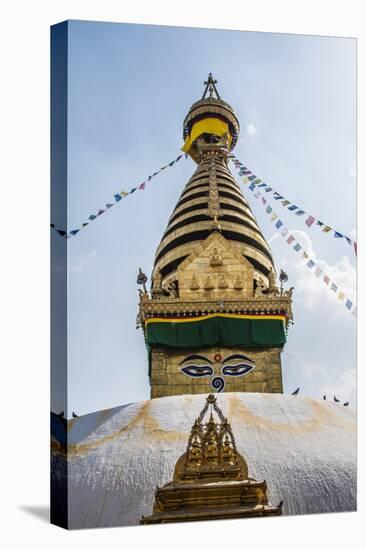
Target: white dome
{"points": [[304, 448]]}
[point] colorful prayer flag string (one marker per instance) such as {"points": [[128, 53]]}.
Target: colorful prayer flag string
{"points": [[310, 263], [309, 220], [117, 197]]}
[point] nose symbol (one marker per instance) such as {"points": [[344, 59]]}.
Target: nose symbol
{"points": [[218, 383]]}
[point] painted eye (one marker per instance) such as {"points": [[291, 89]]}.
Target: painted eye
{"points": [[237, 370], [197, 371]]}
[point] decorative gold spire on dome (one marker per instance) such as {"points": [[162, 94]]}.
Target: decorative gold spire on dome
{"points": [[214, 279], [210, 479]]}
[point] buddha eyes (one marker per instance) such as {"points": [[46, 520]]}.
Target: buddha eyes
{"points": [[197, 371], [237, 370]]}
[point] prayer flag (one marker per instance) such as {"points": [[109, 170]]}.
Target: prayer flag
{"points": [[348, 240], [257, 181], [269, 209], [262, 184], [61, 232], [326, 280], [264, 200], [142, 186], [355, 247], [338, 235], [334, 287], [297, 247], [100, 212], [354, 312], [284, 232], [277, 196], [84, 224], [326, 229], [178, 158], [118, 197], [349, 304], [319, 223], [292, 207], [285, 203], [341, 295], [108, 205], [92, 217], [309, 222], [252, 186], [300, 213], [273, 217], [269, 189], [133, 190], [257, 194], [246, 179], [310, 264], [124, 193], [52, 225], [305, 255], [290, 239], [171, 163], [278, 224], [318, 272], [252, 177], [74, 231]]}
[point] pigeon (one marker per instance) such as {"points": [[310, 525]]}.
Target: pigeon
{"points": [[346, 404], [296, 391], [74, 415], [335, 399], [324, 397]]}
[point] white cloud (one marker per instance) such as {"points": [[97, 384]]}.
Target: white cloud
{"points": [[251, 129], [311, 290]]}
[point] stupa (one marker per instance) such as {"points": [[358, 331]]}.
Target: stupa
{"points": [[215, 318]]}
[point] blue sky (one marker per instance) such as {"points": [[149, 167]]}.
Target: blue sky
{"points": [[130, 87]]}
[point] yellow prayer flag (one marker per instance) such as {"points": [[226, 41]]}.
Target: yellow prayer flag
{"points": [[327, 229]]}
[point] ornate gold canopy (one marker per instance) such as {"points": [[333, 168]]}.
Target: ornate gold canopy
{"points": [[210, 479]]}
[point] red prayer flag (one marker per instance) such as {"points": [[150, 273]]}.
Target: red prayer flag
{"points": [[309, 222]]}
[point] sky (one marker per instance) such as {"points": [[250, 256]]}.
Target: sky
{"points": [[129, 89]]}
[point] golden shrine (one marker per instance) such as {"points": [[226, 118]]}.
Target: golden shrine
{"points": [[211, 479], [214, 318]]}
